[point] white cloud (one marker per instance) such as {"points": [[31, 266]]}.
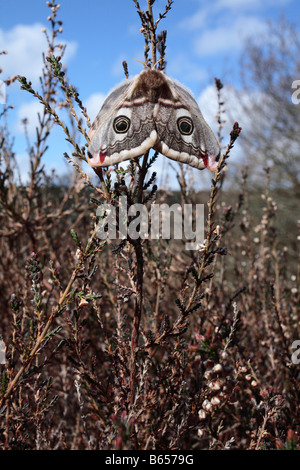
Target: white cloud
{"points": [[208, 104], [237, 105], [234, 102], [229, 37], [93, 104], [28, 111], [223, 25], [24, 45], [198, 20]]}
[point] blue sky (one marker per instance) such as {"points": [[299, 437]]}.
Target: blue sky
{"points": [[205, 39]]}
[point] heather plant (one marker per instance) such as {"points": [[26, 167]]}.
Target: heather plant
{"points": [[139, 344]]}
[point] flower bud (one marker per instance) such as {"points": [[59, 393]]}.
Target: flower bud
{"points": [[202, 415], [215, 401], [207, 405]]}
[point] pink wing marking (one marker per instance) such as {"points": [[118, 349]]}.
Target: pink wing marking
{"points": [[102, 157]]}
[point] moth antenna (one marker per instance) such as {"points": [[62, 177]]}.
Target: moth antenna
{"points": [[159, 60], [144, 63]]}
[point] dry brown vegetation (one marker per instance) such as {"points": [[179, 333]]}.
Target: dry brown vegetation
{"points": [[141, 344]]}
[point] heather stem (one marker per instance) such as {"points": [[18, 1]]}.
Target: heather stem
{"points": [[139, 255]]}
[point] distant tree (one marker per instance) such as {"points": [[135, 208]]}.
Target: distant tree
{"points": [[270, 66]]}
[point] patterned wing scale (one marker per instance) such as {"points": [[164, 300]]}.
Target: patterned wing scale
{"points": [[151, 111]]}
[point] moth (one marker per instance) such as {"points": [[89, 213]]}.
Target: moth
{"points": [[152, 111]]}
